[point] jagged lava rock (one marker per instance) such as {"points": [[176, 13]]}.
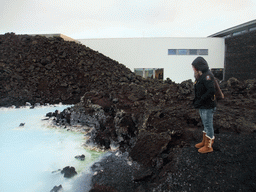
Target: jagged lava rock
{"points": [[37, 69]]}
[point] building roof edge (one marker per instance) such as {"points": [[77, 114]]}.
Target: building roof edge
{"points": [[235, 28]]}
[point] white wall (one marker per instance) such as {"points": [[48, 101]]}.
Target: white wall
{"points": [[153, 53]]}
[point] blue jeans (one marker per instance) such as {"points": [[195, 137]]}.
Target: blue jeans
{"points": [[207, 119]]}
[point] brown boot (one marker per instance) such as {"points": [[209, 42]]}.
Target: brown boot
{"points": [[207, 146], [200, 145]]}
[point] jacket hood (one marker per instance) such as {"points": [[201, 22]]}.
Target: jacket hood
{"points": [[200, 64]]}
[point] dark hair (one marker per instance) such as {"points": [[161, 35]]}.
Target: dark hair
{"points": [[200, 64]]}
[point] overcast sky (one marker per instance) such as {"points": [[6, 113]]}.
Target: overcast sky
{"points": [[81, 19]]}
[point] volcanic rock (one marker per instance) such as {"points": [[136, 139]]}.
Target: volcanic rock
{"points": [[161, 125], [56, 188], [36, 69], [69, 172], [80, 157]]}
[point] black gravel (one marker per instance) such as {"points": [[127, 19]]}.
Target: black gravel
{"points": [[231, 167]]}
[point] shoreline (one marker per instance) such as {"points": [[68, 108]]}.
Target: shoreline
{"points": [[30, 123], [36, 106]]}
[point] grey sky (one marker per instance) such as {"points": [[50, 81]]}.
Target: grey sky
{"points": [[124, 18]]}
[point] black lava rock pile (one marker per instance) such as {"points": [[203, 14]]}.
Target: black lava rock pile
{"points": [[43, 70]]}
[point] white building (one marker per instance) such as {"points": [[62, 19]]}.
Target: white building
{"points": [[174, 55]]}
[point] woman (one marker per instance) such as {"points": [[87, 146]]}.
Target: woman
{"points": [[204, 101]]}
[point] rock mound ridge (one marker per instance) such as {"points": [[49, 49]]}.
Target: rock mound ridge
{"points": [[42, 70]]}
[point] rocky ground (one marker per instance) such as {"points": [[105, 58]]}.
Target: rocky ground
{"points": [[159, 129], [151, 122], [231, 167]]}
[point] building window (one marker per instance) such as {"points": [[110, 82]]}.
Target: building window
{"points": [[187, 51], [159, 73], [227, 36], [182, 51], [149, 73], [153, 73], [139, 71], [252, 29], [237, 33], [172, 51], [192, 51], [203, 52]]}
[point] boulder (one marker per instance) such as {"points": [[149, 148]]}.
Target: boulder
{"points": [[80, 157], [56, 188], [149, 146], [69, 172]]}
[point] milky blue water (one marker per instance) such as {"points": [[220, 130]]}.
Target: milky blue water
{"points": [[30, 154]]}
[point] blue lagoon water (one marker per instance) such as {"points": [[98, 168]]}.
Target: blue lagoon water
{"points": [[30, 155]]}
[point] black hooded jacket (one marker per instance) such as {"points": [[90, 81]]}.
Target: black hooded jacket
{"points": [[204, 86]]}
